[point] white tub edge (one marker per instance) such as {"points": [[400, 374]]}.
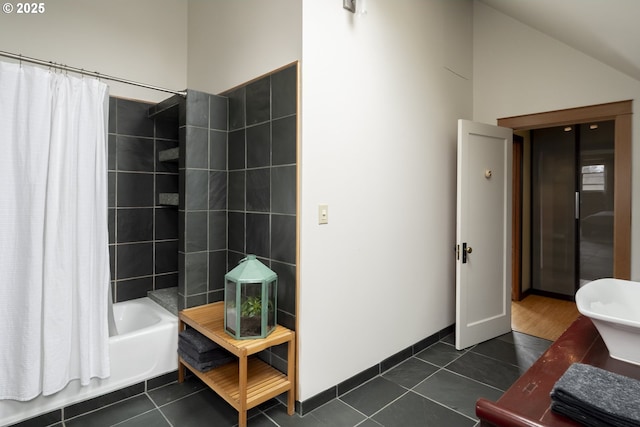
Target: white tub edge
{"points": [[12, 411]]}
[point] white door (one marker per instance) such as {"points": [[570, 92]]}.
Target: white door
{"points": [[483, 233]]}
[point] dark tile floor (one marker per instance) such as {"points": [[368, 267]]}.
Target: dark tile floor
{"points": [[437, 387]]}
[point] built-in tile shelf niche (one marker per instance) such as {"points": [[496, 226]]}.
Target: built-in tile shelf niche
{"points": [[170, 155], [169, 199]]}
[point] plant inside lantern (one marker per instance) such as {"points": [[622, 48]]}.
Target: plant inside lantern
{"points": [[251, 316]]}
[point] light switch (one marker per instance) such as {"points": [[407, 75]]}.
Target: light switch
{"points": [[323, 214]]}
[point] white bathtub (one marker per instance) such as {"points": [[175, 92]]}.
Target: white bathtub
{"points": [[613, 305], [144, 348]]}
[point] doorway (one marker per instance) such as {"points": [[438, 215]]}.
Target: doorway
{"points": [[572, 183], [620, 115]]}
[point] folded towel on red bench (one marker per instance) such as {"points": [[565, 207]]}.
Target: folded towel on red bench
{"points": [[597, 398]]}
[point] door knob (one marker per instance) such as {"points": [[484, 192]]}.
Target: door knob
{"points": [[469, 249]]}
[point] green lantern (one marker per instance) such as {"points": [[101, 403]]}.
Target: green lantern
{"points": [[250, 294]]}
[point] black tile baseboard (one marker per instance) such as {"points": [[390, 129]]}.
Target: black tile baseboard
{"points": [[50, 418], [104, 400], [397, 358], [316, 401]]}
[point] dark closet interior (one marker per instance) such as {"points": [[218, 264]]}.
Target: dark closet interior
{"points": [[572, 188]]}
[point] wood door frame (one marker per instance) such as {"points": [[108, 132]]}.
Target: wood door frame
{"points": [[620, 113], [516, 238]]}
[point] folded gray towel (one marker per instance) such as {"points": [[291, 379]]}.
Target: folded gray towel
{"points": [[595, 397], [193, 351], [207, 356], [197, 340], [205, 366], [578, 415]]}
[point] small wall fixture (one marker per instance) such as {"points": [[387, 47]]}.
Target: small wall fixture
{"points": [[350, 5]]}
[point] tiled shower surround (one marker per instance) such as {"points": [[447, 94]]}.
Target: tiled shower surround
{"points": [[236, 179]]}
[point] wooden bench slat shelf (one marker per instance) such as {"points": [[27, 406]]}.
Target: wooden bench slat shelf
{"points": [[249, 381]]}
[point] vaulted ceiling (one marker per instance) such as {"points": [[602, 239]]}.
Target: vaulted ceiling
{"points": [[607, 30]]}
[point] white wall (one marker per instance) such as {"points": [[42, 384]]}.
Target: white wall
{"points": [[141, 40], [381, 95], [232, 42], [518, 70]]}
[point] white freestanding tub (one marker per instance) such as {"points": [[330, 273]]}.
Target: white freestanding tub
{"points": [[146, 346], [614, 307]]}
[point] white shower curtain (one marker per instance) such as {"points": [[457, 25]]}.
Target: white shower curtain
{"points": [[54, 260]]}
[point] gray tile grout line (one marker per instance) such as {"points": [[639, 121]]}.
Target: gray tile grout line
{"points": [[474, 380], [158, 407], [146, 393], [266, 416], [426, 397], [440, 403], [407, 391], [135, 416], [445, 406]]}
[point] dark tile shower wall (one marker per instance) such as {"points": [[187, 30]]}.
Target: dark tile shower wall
{"points": [[263, 178], [143, 236]]}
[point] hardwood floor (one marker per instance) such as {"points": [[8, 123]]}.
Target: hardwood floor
{"points": [[542, 316]]}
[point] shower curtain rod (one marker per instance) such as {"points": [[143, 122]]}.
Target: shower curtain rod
{"points": [[88, 73]]}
